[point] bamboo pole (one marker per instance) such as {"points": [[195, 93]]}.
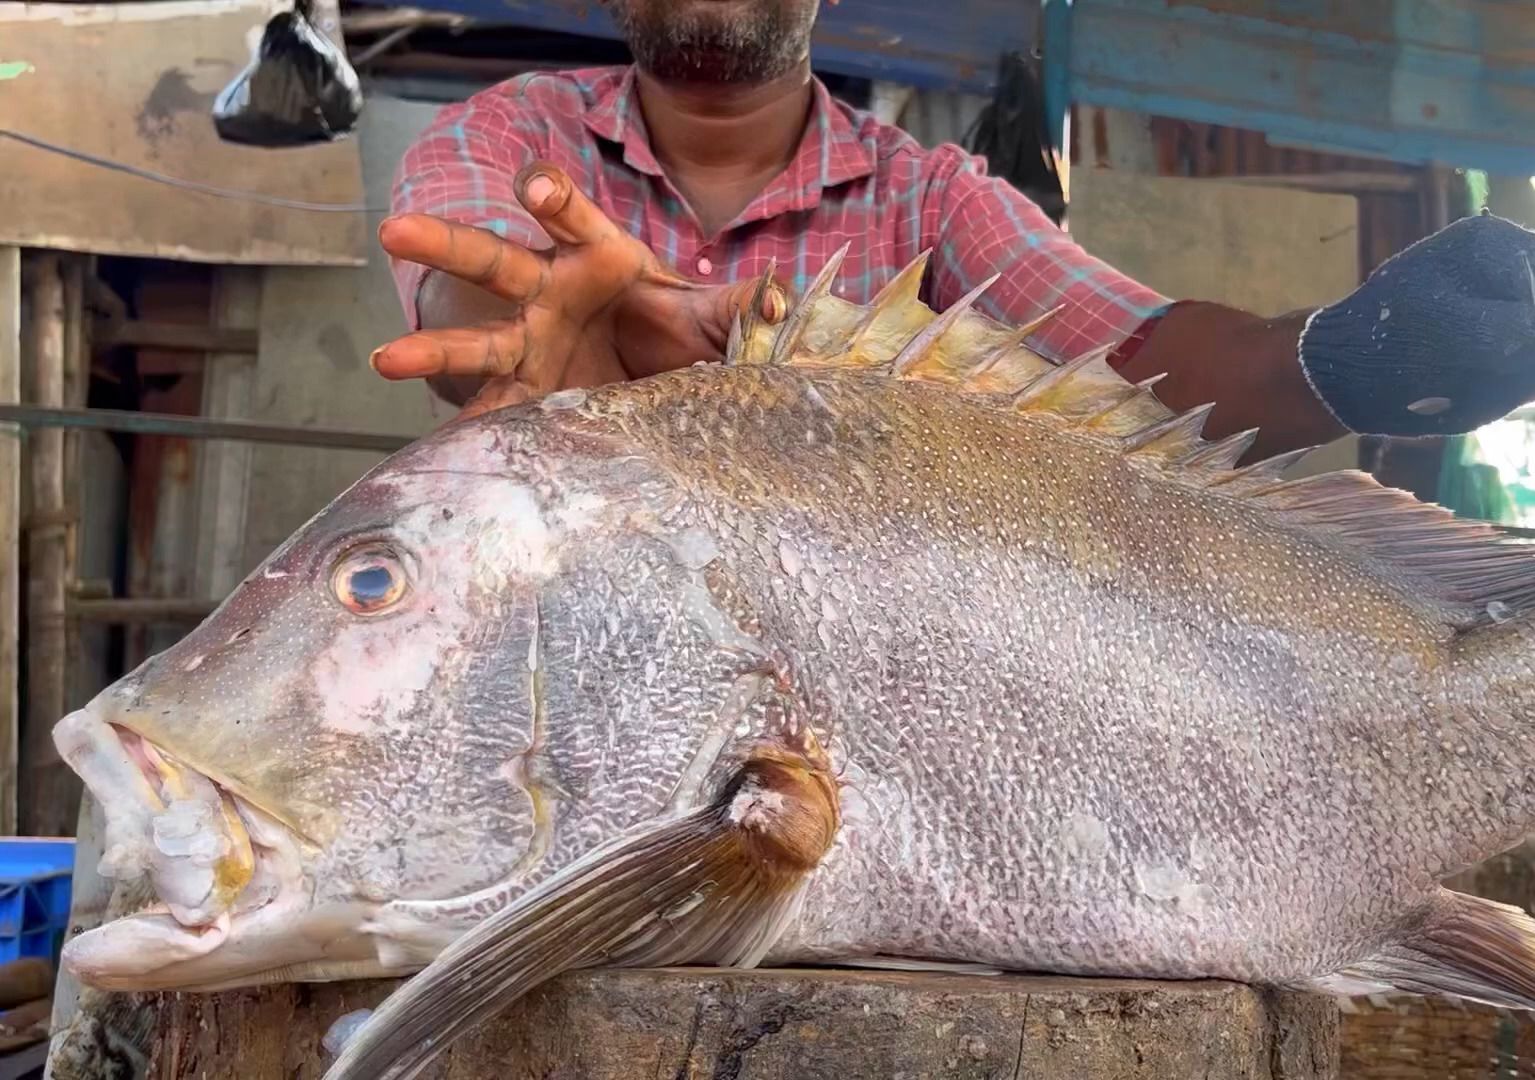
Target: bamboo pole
{"points": [[49, 793], [10, 541]]}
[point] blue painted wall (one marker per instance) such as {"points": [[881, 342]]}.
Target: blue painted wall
{"points": [[1451, 81]]}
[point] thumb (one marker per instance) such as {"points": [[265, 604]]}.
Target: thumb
{"points": [[722, 305], [563, 210]]}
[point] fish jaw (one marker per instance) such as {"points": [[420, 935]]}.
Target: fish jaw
{"points": [[286, 940], [229, 880], [164, 819]]}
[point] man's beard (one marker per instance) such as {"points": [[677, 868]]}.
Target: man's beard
{"points": [[693, 42]]}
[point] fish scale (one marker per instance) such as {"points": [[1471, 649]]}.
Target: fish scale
{"points": [[886, 638]]}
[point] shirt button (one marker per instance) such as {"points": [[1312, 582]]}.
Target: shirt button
{"points": [[705, 267]]}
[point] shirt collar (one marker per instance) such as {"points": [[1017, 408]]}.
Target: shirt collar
{"points": [[830, 153]]}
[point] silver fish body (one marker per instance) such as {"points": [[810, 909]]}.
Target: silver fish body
{"points": [[1096, 702]]}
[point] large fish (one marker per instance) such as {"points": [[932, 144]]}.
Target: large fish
{"points": [[887, 638]]}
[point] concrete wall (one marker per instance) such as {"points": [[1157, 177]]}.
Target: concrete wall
{"points": [[317, 328], [1264, 249]]}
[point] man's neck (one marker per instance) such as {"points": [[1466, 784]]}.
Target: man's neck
{"points": [[721, 145]]}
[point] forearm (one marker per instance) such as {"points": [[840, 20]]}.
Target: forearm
{"points": [[1246, 364]]}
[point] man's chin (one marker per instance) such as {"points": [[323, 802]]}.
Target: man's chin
{"points": [[716, 41]]}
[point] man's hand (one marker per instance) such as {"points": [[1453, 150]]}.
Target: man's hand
{"points": [[596, 307]]}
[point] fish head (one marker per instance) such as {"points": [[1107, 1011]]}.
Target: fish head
{"points": [[355, 725]]}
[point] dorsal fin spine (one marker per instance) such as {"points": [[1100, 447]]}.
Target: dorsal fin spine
{"points": [[1173, 437], [931, 335], [1055, 378], [798, 318], [735, 341], [1223, 454]]}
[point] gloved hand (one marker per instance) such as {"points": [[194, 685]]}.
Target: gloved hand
{"points": [[1439, 340]]}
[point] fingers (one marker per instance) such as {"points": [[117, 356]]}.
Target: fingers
{"points": [[501, 267], [724, 304], [485, 352], [496, 394], [565, 213]]}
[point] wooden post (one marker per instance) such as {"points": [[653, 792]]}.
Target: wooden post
{"points": [[693, 1024], [224, 467], [10, 536], [77, 376], [49, 791]]}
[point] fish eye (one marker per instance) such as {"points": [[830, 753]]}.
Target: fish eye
{"points": [[369, 581]]}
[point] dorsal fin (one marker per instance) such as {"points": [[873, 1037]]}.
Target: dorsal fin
{"points": [[895, 314], [1432, 554], [924, 349], [751, 339], [795, 324], [1009, 366], [1172, 439], [1221, 455]]}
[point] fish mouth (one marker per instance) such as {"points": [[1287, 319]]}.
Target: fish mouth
{"points": [[213, 860]]}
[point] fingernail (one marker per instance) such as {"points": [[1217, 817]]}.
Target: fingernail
{"points": [[373, 357], [539, 189]]}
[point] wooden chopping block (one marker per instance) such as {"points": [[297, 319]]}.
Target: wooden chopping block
{"points": [[24, 980]]}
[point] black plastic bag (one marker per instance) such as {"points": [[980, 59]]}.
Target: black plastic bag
{"points": [[1012, 134], [298, 89]]}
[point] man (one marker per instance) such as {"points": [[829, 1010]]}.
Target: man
{"points": [[571, 229]]}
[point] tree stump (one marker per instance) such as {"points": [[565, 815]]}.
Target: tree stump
{"points": [[795, 1024]]}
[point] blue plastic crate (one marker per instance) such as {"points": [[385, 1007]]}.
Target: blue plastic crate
{"points": [[35, 879]]}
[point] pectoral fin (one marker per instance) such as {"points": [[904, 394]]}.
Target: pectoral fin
{"points": [[1465, 947], [715, 886]]}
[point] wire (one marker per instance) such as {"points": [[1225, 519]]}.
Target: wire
{"points": [[191, 185]]}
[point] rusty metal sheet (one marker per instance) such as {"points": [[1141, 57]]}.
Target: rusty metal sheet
{"points": [[134, 83]]}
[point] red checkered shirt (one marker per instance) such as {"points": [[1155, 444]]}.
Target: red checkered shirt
{"points": [[853, 179]]}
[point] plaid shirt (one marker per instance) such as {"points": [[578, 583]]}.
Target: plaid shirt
{"points": [[853, 179]]}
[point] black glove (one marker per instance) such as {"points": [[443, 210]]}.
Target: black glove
{"points": [[1439, 340]]}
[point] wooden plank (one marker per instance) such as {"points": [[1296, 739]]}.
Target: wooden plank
{"points": [[77, 377], [1262, 249], [1342, 183], [49, 789], [134, 83], [1410, 80], [10, 535], [142, 609], [143, 334]]}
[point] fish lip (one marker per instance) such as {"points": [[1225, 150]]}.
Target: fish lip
{"points": [[140, 787], [221, 781]]}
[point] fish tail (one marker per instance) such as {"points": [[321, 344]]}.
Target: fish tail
{"points": [[716, 886]]}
